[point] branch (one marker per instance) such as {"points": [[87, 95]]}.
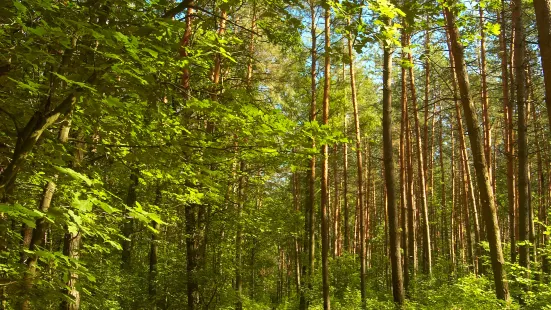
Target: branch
{"points": [[178, 9]]}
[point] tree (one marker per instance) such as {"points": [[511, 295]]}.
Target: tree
{"points": [[489, 209], [325, 165]]}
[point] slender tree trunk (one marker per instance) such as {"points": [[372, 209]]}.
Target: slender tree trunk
{"points": [[308, 269], [427, 259], [394, 224], [484, 92], [443, 202], [524, 199], [296, 205], [543, 22], [412, 212], [37, 241], [468, 188], [489, 208], [403, 170], [359, 169], [508, 135], [336, 204], [153, 253], [184, 43], [128, 225], [239, 237], [345, 194], [453, 211], [324, 169]]}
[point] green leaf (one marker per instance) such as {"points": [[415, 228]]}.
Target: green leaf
{"points": [[75, 175], [20, 7]]}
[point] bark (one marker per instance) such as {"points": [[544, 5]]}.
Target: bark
{"points": [[239, 237], [543, 22], [443, 197], [524, 199], [184, 44], [128, 224], [394, 224], [453, 211], [489, 208], [403, 170], [296, 205], [508, 135], [192, 285], [72, 240], [29, 136], [336, 204], [41, 121], [37, 241], [308, 269], [153, 249], [484, 95], [427, 255], [71, 248], [345, 194], [473, 251], [325, 169], [359, 168], [412, 212]]}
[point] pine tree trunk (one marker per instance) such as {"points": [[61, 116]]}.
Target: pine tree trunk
{"points": [[427, 255], [412, 212], [508, 135], [359, 162], [239, 237], [345, 193], [336, 205], [524, 202], [325, 169], [453, 211], [543, 22], [484, 92], [403, 172], [308, 269], [473, 251], [489, 208], [394, 224]]}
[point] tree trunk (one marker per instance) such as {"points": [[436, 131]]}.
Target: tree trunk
{"points": [[453, 211], [37, 241], [427, 255], [345, 194], [325, 169], [296, 207], [128, 224], [524, 199], [543, 22], [359, 169], [336, 204], [508, 135], [484, 93], [394, 224], [474, 252], [239, 237], [489, 208], [153, 249], [412, 212], [308, 269], [403, 170]]}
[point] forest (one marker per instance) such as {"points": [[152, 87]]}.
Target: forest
{"points": [[275, 154]]}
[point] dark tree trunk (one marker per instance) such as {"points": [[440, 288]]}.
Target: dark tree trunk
{"points": [[394, 224]]}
